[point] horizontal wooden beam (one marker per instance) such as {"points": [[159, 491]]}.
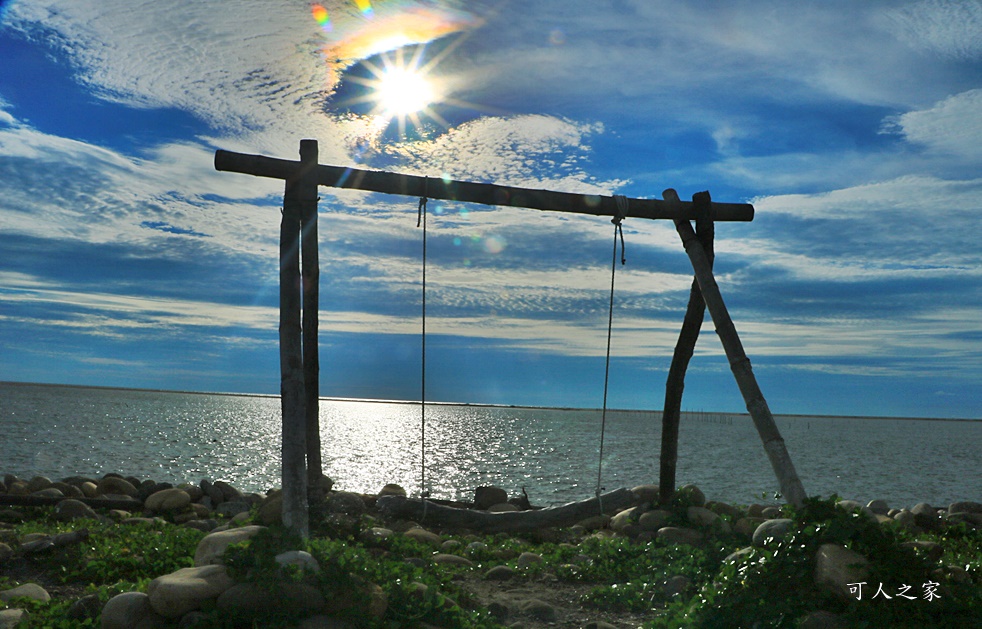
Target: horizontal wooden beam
{"points": [[470, 192]]}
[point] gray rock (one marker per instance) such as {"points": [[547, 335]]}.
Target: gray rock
{"points": [[214, 493], [247, 601], [599, 624], [691, 495], [38, 483], [205, 526], [925, 516], [540, 610], [723, 508], [6, 552], [527, 559], [229, 493], [69, 491], [676, 586], [701, 516], [653, 520], [114, 485], [49, 492], [772, 530], [678, 535], [185, 590], [32, 591], [168, 500], [13, 618], [738, 555], [624, 518], [131, 610], [879, 507], [232, 508], [71, 509], [271, 510], [347, 503], [85, 608], [485, 497], [452, 560], [771, 512], [905, 518], [500, 573], [392, 489], [965, 506], [424, 536], [299, 559], [646, 494], [854, 506], [837, 567], [212, 546]]}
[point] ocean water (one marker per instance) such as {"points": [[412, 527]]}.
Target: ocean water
{"points": [[554, 453]]}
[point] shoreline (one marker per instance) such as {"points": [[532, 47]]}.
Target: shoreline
{"points": [[742, 415]]}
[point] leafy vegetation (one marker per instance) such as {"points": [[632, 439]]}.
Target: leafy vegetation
{"points": [[770, 587]]}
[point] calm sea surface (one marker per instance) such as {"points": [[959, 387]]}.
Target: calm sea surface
{"points": [[177, 437]]}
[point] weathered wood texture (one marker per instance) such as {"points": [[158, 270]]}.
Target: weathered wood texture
{"points": [[486, 194], [777, 453], [688, 335], [306, 191], [431, 514], [292, 397]]}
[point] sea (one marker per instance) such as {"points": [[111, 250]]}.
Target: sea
{"points": [[554, 454]]}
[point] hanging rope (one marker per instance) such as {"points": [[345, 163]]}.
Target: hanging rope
{"points": [[622, 206], [421, 221]]}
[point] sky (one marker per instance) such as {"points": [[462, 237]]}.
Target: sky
{"points": [[854, 128]]}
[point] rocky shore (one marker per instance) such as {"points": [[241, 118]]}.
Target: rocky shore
{"points": [[228, 516]]}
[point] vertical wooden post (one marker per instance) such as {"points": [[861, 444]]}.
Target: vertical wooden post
{"points": [[688, 335], [310, 276], [787, 477], [292, 396]]}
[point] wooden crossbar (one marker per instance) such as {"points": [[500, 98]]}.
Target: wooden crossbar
{"points": [[470, 192]]}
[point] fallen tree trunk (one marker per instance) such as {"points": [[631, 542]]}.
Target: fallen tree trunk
{"points": [[46, 501], [432, 514]]}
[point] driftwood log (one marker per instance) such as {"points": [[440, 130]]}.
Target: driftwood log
{"points": [[47, 501], [432, 514]]}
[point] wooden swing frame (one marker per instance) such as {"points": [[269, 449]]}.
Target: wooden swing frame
{"points": [[299, 294]]}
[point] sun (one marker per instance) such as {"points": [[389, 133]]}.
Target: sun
{"points": [[400, 90], [403, 91]]}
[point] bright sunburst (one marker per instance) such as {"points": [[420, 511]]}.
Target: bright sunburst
{"points": [[403, 91], [399, 87]]}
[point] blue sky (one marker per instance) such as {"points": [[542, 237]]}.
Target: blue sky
{"points": [[855, 128]]}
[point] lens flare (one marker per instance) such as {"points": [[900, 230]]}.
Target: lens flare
{"points": [[365, 6], [321, 17]]}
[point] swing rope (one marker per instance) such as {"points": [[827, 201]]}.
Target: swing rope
{"points": [[421, 221], [622, 206]]}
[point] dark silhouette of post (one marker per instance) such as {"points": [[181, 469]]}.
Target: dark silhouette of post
{"points": [[777, 453], [293, 398], [688, 335], [310, 282]]}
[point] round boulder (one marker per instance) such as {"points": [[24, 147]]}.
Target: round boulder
{"points": [[128, 610], [485, 497], [74, 510], [772, 530], [117, 485], [168, 500], [392, 489]]}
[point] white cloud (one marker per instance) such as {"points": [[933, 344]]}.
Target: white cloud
{"points": [[952, 126], [948, 27]]}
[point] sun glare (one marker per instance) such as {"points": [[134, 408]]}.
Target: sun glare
{"points": [[403, 92]]}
